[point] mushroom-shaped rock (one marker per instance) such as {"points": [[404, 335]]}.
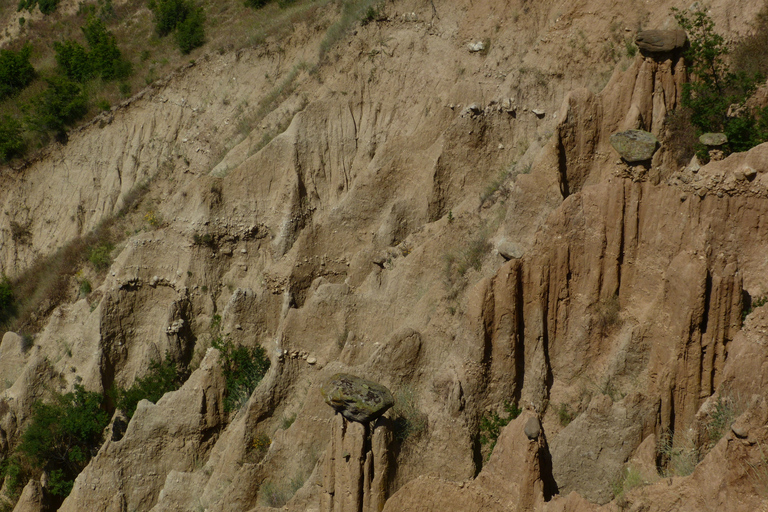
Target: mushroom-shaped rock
{"points": [[713, 139], [657, 41], [355, 398], [634, 145]]}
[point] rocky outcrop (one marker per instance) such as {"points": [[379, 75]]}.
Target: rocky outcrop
{"points": [[527, 487], [356, 467]]}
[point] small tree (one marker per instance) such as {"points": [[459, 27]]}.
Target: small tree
{"points": [[715, 90], [15, 71], [58, 106], [181, 16], [243, 369], [63, 435], [161, 378], [11, 140]]}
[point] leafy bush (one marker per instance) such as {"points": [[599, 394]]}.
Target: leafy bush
{"points": [[58, 106], [677, 458], [181, 16], [99, 255], [716, 89], [565, 415], [721, 419], [161, 378], [15, 71], [243, 369], [190, 33], [46, 6], [11, 138], [63, 435], [104, 58], [73, 60], [491, 424]]}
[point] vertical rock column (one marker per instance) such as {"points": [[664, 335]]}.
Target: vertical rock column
{"points": [[355, 467]]}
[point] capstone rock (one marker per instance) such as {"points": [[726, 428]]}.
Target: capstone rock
{"points": [[713, 139], [357, 399], [658, 41], [635, 145]]}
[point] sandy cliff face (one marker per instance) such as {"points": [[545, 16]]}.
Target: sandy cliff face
{"points": [[363, 238]]}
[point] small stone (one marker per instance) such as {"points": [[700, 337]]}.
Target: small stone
{"points": [[713, 139], [355, 398], [740, 431], [538, 112], [476, 47], [634, 145], [238, 327], [509, 250], [311, 360], [749, 173], [532, 428]]}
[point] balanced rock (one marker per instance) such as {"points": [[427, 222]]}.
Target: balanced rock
{"points": [[713, 139], [355, 398], [532, 428], [657, 41], [634, 145]]}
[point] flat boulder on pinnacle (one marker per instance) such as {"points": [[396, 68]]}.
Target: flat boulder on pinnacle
{"points": [[659, 41], [355, 398], [634, 145]]}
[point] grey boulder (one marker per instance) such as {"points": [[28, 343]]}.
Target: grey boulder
{"points": [[658, 41], [634, 145], [357, 399]]}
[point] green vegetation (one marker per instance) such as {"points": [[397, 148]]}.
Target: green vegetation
{"points": [[181, 16], [11, 138], [491, 424], [16, 72], [629, 479], [99, 255], [243, 369], [715, 99], [62, 435], [46, 6], [352, 12], [274, 495], [751, 304], [565, 415], [677, 458], [408, 420], [60, 105], [103, 60], [7, 300], [721, 419], [161, 378]]}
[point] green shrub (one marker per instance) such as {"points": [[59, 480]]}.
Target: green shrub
{"points": [[715, 87], [243, 369], [565, 415], [7, 300], [190, 33], [183, 17], [73, 60], [11, 138], [62, 435], [46, 6], [100, 255], [15, 71], [105, 57], [161, 378], [721, 419], [491, 424], [61, 104]]}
